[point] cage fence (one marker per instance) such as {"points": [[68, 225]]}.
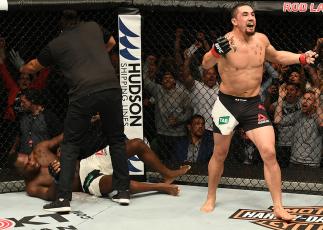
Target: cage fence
{"points": [[170, 35]]}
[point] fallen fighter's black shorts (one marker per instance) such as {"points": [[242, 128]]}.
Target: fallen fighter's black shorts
{"points": [[229, 111]]}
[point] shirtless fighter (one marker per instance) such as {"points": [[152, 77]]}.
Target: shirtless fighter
{"points": [[240, 56]]}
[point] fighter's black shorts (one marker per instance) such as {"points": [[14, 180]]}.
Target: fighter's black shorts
{"points": [[247, 112]]}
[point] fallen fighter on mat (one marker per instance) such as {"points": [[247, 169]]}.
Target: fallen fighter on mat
{"points": [[93, 175]]}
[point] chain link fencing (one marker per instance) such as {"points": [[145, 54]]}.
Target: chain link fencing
{"points": [[174, 40]]}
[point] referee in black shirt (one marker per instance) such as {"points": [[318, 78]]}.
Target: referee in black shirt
{"points": [[81, 54]]}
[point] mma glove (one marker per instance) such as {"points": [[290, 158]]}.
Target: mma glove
{"points": [[53, 173], [221, 47]]}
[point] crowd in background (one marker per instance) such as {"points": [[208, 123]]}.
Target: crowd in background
{"points": [[290, 94], [178, 98]]}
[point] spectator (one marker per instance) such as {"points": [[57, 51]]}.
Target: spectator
{"points": [[282, 71], [24, 81], [202, 46], [195, 52], [270, 76], [37, 124], [311, 76], [172, 110], [150, 70], [203, 94], [249, 150], [306, 141], [201, 39], [289, 99], [198, 146], [271, 97], [297, 78]]}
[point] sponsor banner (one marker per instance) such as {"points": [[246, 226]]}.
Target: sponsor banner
{"points": [[309, 218], [131, 81]]}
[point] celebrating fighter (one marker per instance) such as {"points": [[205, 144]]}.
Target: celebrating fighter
{"points": [[240, 56]]}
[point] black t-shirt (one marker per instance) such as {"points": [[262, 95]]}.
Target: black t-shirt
{"points": [[81, 55]]}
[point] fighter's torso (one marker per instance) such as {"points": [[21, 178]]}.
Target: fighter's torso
{"points": [[242, 68], [44, 157]]}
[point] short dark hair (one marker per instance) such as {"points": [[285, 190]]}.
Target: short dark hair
{"points": [[310, 91], [235, 8], [296, 85], [168, 72], [12, 159], [35, 96], [195, 116], [69, 19]]}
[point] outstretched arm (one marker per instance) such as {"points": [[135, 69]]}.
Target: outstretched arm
{"points": [[31, 67], [281, 57], [288, 58]]}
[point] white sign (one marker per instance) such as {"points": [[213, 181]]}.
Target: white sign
{"points": [[131, 82]]}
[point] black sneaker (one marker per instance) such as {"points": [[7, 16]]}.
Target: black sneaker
{"points": [[122, 197], [59, 205]]}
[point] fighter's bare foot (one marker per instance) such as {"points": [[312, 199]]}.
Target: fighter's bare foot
{"points": [[208, 206], [176, 173], [170, 189], [282, 214]]}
